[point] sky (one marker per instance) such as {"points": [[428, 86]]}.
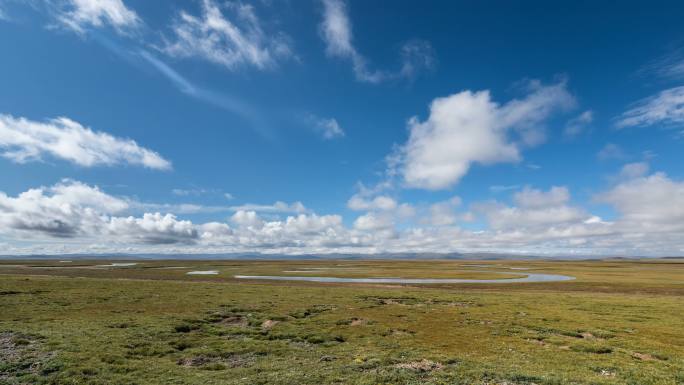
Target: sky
{"points": [[332, 126]]}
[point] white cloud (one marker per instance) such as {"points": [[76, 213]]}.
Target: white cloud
{"points": [[533, 198], [81, 14], [611, 151], [64, 210], [181, 208], [197, 191], [277, 207], [153, 228], [23, 140], [383, 203], [443, 213], [244, 218], [336, 31], [501, 188], [578, 124], [327, 128], [74, 217], [373, 222], [634, 170], [213, 36], [648, 203], [468, 127], [218, 99], [666, 108], [670, 65], [536, 209]]}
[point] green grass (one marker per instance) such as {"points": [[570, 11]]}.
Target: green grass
{"points": [[620, 322]]}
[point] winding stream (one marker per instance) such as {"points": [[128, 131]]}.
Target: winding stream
{"points": [[530, 277]]}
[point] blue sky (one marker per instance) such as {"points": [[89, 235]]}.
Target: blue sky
{"points": [[332, 126]]}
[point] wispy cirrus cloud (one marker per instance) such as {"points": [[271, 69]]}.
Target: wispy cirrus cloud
{"points": [[23, 140], [277, 207], [668, 66], [231, 42], [336, 31], [578, 124], [665, 107], [220, 100], [3, 14], [79, 15]]}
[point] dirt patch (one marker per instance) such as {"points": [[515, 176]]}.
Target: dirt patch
{"points": [[229, 319], [537, 341], [269, 324], [420, 366], [644, 357], [194, 361], [357, 322]]}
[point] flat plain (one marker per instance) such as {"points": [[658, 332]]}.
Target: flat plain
{"points": [[150, 322]]}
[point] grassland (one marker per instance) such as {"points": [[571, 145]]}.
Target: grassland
{"points": [[619, 322]]}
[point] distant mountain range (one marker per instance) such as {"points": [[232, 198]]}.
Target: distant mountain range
{"points": [[260, 256]]}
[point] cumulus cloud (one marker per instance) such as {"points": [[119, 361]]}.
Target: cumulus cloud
{"points": [[533, 198], [245, 218], [360, 203], [231, 42], [23, 140], [64, 210], [74, 217], [443, 213], [666, 108], [648, 202], [634, 170], [336, 31], [469, 127], [78, 15], [373, 222], [534, 209], [153, 228], [71, 209]]}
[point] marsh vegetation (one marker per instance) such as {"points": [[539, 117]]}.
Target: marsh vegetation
{"points": [[618, 322]]}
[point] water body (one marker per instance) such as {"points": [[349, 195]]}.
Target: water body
{"points": [[117, 265], [202, 272], [529, 278]]}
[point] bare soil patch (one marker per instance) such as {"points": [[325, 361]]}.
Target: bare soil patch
{"points": [[420, 366]]}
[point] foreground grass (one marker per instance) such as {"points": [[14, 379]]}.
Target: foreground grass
{"points": [[619, 323]]}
